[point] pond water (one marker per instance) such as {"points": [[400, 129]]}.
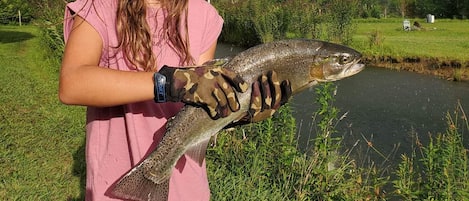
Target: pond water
{"points": [[388, 108], [383, 106]]}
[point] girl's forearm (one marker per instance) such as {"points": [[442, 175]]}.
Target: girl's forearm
{"points": [[101, 87]]}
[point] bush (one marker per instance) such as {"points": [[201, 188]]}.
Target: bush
{"points": [[50, 13], [251, 22]]}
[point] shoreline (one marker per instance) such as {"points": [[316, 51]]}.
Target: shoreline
{"points": [[451, 70]]}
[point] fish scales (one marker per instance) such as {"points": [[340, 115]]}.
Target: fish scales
{"points": [[303, 62]]}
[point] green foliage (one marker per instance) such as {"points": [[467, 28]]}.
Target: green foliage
{"points": [[251, 22], [52, 36], [442, 9], [50, 13], [440, 172], [238, 28], [9, 11], [261, 161], [268, 20], [340, 23], [376, 39], [252, 157], [305, 18]]}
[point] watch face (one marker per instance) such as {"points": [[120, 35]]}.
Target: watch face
{"points": [[159, 89]]}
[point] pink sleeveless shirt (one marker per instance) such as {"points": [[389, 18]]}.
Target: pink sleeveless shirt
{"points": [[117, 138]]}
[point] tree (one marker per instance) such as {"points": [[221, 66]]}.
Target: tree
{"points": [[340, 26], [9, 11], [370, 8]]}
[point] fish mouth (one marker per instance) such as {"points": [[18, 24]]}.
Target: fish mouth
{"points": [[348, 70], [354, 68]]}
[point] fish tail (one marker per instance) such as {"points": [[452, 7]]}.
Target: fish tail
{"points": [[135, 186]]}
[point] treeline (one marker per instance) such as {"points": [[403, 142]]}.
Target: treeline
{"points": [[453, 9], [11, 10], [251, 22]]}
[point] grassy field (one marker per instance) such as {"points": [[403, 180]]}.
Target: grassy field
{"points": [[444, 39], [41, 143], [438, 48]]}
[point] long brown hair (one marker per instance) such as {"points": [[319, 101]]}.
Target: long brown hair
{"points": [[134, 36]]}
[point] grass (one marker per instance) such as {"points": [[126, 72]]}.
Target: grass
{"points": [[437, 49], [444, 39], [41, 148]]}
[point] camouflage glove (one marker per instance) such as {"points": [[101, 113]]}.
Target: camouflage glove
{"points": [[268, 94], [210, 87]]}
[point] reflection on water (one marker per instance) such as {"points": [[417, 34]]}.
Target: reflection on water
{"points": [[388, 105]]}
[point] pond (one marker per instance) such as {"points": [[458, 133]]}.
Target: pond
{"points": [[387, 108]]}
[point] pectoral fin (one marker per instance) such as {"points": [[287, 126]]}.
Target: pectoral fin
{"points": [[197, 151]]}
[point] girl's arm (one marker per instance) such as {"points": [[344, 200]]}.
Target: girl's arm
{"points": [[82, 82]]}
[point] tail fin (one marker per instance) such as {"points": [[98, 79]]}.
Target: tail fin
{"points": [[135, 186]]}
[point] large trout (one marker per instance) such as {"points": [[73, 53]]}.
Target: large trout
{"points": [[303, 62]]}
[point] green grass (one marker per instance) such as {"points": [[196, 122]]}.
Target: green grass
{"points": [[444, 39], [41, 144]]}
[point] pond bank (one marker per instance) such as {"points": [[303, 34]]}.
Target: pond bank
{"points": [[451, 70]]}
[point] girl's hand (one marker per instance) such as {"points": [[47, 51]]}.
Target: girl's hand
{"points": [[209, 87], [268, 94]]}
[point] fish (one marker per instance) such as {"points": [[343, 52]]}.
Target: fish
{"points": [[304, 62]]}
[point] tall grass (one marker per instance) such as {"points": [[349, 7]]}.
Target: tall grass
{"points": [[439, 170], [262, 161]]}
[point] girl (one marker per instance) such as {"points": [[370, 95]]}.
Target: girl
{"points": [[116, 52]]}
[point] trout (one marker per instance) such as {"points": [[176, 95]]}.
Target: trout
{"points": [[304, 63]]}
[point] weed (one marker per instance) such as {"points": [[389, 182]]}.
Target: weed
{"points": [[376, 39], [440, 170], [262, 161]]}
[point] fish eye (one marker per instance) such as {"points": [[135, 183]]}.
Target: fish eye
{"points": [[343, 59]]}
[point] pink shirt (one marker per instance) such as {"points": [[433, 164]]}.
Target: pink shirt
{"points": [[117, 138]]}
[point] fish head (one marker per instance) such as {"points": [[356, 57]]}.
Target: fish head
{"points": [[334, 62]]}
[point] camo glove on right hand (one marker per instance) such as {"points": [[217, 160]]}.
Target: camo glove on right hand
{"points": [[268, 94], [210, 87]]}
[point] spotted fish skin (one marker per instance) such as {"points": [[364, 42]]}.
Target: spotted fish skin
{"points": [[304, 63]]}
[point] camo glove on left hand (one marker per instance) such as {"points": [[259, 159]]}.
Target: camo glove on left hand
{"points": [[268, 94], [209, 86]]}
